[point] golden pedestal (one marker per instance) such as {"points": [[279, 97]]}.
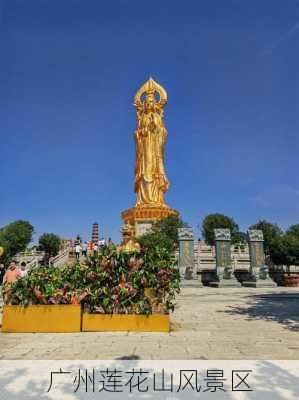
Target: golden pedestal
{"points": [[125, 322], [142, 218], [62, 318]]}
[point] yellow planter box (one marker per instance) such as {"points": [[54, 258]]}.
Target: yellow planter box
{"points": [[42, 318], [125, 322]]}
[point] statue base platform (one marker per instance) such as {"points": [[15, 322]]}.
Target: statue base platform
{"points": [[194, 283], [222, 283], [261, 283], [142, 217]]}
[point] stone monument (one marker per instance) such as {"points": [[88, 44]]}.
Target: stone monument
{"points": [[259, 272], [224, 271], [186, 253], [151, 182]]}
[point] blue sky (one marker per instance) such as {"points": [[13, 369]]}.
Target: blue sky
{"points": [[68, 74]]}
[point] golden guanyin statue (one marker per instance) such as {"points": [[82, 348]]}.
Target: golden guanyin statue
{"points": [[151, 182], [150, 136]]}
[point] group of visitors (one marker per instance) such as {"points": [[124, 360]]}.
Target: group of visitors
{"points": [[85, 248]]}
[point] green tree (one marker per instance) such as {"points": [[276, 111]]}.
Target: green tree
{"points": [[50, 244], [293, 230], [163, 235], [169, 226], [270, 231], [14, 238], [155, 240], [240, 238], [216, 221], [284, 250]]}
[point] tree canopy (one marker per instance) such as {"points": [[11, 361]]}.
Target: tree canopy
{"points": [[215, 221], [293, 230], [14, 238], [169, 226], [50, 244], [270, 231], [284, 250], [164, 234]]}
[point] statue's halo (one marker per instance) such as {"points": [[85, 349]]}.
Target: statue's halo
{"points": [[150, 86]]}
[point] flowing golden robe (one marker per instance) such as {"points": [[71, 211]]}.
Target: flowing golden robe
{"points": [[150, 136]]}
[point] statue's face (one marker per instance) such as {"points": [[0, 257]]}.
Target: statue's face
{"points": [[149, 101]]}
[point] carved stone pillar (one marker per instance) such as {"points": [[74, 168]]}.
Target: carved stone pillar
{"points": [[224, 272], [258, 271], [186, 253]]}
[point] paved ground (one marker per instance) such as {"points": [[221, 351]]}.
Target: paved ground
{"points": [[208, 324]]}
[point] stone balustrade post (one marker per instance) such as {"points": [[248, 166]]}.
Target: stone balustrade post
{"points": [[224, 271], [258, 271]]}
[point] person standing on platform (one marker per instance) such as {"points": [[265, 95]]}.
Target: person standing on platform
{"points": [[84, 249], [23, 270], [102, 243], [77, 251]]}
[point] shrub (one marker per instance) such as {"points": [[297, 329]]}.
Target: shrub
{"points": [[112, 282]]}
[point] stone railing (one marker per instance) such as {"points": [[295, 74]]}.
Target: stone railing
{"points": [[31, 258], [206, 257], [61, 258]]}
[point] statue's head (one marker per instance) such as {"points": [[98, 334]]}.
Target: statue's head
{"points": [[149, 101]]}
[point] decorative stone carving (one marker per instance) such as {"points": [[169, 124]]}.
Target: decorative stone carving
{"points": [[255, 235], [185, 234], [222, 234]]}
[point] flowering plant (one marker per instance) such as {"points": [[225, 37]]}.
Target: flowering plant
{"points": [[110, 282]]}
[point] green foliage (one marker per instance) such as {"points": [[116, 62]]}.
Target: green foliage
{"points": [[284, 250], [164, 234], [271, 232], [240, 238], [155, 240], [50, 244], [293, 230], [14, 238], [215, 221], [169, 226], [112, 282]]}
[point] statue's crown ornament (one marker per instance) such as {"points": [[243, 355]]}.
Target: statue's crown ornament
{"points": [[150, 88]]}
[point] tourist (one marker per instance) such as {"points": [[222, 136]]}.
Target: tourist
{"points": [[84, 249], [95, 249], [23, 270], [12, 274], [77, 251], [102, 242]]}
